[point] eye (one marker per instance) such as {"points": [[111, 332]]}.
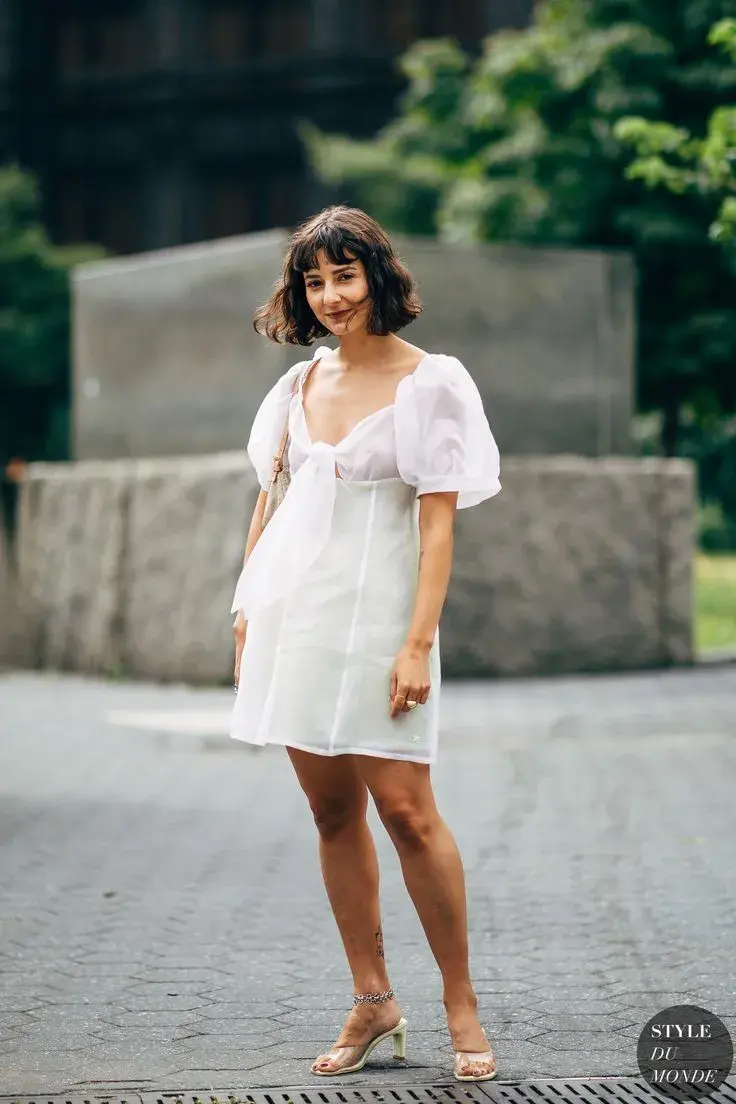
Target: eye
{"points": [[312, 283], [346, 275]]}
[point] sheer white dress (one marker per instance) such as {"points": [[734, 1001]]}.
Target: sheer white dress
{"points": [[329, 589]]}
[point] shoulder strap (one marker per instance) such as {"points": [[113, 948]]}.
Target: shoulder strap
{"points": [[301, 375]]}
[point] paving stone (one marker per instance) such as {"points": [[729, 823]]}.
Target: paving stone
{"points": [[577, 805], [578, 1040]]}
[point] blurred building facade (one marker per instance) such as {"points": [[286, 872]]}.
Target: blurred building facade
{"points": [[158, 122]]}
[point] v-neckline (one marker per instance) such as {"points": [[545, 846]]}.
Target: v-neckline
{"points": [[358, 424], [350, 432]]}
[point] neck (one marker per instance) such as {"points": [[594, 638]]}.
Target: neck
{"points": [[357, 349]]}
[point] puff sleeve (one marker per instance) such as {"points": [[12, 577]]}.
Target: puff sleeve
{"points": [[268, 425], [443, 439]]}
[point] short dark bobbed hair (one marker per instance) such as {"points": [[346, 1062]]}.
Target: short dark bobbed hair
{"points": [[345, 233]]}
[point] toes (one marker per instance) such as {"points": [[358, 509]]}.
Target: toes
{"points": [[468, 1068]]}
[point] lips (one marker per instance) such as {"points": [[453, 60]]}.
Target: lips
{"points": [[338, 315]]}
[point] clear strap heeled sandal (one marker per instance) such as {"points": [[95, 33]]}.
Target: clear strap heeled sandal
{"points": [[354, 1057], [464, 1058]]}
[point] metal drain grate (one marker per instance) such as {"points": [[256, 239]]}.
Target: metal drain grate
{"points": [[584, 1090], [604, 1090], [411, 1094]]}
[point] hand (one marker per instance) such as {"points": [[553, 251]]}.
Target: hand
{"points": [[239, 629], [409, 679]]}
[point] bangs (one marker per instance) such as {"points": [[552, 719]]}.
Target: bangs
{"points": [[334, 239], [343, 234]]}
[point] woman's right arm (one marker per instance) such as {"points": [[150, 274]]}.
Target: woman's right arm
{"points": [[256, 528], [256, 524]]}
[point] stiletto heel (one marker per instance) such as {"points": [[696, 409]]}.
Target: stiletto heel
{"points": [[399, 1038]]}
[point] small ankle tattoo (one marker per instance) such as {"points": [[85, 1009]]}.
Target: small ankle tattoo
{"points": [[379, 943]]}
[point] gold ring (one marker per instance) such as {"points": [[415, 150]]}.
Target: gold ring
{"points": [[412, 704]]}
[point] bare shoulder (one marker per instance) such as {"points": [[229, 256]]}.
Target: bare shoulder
{"points": [[328, 355], [412, 355]]}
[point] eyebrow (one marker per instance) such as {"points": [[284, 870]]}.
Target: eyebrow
{"points": [[338, 268]]}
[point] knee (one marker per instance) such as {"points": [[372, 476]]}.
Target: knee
{"points": [[407, 822], [333, 815]]}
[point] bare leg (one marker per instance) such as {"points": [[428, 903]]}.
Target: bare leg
{"points": [[434, 876], [339, 799]]}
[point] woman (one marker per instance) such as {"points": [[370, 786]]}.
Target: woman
{"points": [[337, 645]]}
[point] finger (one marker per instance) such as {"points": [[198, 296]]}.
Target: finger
{"points": [[402, 693], [393, 690], [415, 694], [419, 696], [397, 703]]}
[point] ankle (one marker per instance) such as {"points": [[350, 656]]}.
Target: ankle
{"points": [[460, 996], [373, 988]]}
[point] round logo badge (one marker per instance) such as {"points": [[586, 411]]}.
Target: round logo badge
{"points": [[685, 1052]]}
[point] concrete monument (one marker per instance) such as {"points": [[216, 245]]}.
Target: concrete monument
{"points": [[167, 363]]}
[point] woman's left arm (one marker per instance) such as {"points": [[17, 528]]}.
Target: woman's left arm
{"points": [[410, 676]]}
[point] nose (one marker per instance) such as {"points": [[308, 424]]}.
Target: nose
{"points": [[331, 295]]}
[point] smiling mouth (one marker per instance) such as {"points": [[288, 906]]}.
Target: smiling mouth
{"points": [[339, 314]]}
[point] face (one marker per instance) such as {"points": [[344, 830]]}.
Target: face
{"points": [[338, 294]]}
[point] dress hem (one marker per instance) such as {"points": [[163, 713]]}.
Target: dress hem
{"points": [[342, 751]]}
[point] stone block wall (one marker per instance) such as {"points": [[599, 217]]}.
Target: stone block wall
{"points": [[128, 567], [166, 361], [577, 565]]}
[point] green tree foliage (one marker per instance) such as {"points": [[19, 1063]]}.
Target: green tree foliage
{"points": [[669, 156], [34, 326], [520, 143]]}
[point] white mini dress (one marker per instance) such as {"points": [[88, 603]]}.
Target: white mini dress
{"points": [[329, 588]]}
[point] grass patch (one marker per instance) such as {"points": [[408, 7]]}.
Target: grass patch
{"points": [[715, 602]]}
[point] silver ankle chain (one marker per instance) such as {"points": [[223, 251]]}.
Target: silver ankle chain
{"points": [[373, 998]]}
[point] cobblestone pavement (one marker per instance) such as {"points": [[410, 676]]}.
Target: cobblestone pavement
{"points": [[164, 923]]}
